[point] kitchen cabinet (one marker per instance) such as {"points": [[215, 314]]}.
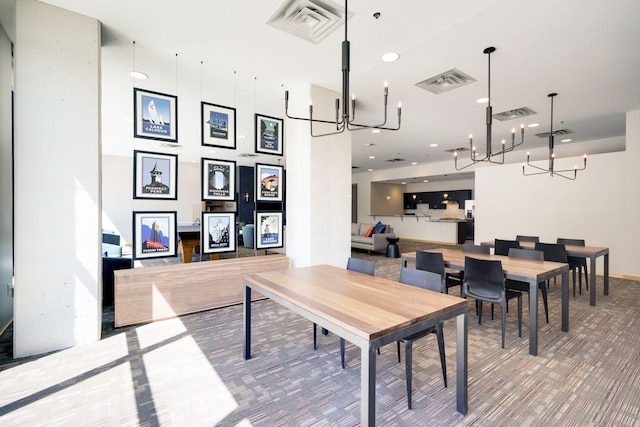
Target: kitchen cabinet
{"points": [[434, 199]]}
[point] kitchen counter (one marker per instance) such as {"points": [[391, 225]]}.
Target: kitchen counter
{"points": [[450, 230]]}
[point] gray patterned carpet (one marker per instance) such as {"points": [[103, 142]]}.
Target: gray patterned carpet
{"points": [[190, 371]]}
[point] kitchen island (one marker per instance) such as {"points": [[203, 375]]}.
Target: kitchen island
{"points": [[414, 227]]}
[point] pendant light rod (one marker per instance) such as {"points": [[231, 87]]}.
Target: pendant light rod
{"points": [[345, 119], [489, 154], [550, 170]]}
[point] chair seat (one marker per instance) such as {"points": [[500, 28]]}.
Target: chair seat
{"points": [[488, 296]]}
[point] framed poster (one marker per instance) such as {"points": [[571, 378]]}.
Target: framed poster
{"points": [[269, 230], [155, 115], [218, 232], [269, 183], [218, 125], [218, 179], [154, 234], [155, 175], [269, 131]]}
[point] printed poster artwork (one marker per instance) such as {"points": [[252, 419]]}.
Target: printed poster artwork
{"points": [[270, 183], [219, 179], [270, 230], [269, 131], [218, 232], [156, 116], [218, 125], [155, 171], [155, 234]]}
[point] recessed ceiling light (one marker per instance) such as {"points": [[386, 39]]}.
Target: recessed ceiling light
{"points": [[375, 131], [138, 75], [566, 140], [414, 163], [433, 145], [242, 136], [482, 100], [369, 170], [372, 157], [426, 180], [403, 182], [533, 125], [390, 57]]}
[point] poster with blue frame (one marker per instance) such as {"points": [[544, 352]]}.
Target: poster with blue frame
{"points": [[155, 115], [269, 133], [155, 175], [218, 126], [269, 230], [269, 183], [154, 234]]}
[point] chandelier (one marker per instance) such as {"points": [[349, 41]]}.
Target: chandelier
{"points": [[490, 155], [551, 171], [345, 120]]}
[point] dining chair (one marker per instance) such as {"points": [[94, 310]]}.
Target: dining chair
{"points": [[518, 285], [353, 264], [433, 282], [434, 262], [501, 247], [556, 253], [533, 239], [479, 249], [484, 282], [576, 263]]}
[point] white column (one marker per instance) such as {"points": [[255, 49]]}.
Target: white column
{"points": [[57, 179], [632, 196]]}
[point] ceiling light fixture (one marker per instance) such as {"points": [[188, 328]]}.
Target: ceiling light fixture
{"points": [[482, 100], [488, 157], [375, 131], [390, 57], [344, 121], [533, 125], [566, 140], [552, 156], [138, 75]]}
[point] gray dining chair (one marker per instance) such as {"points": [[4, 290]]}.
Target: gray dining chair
{"points": [[518, 285], [533, 239], [434, 262], [479, 249], [576, 263], [501, 247]]}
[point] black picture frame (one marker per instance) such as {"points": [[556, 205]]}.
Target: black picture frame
{"points": [[155, 175], [269, 135], [154, 234], [269, 183], [269, 230], [218, 233], [218, 179], [155, 115], [218, 125]]}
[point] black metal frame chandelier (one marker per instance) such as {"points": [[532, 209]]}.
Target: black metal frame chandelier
{"points": [[489, 156], [346, 119], [551, 171]]}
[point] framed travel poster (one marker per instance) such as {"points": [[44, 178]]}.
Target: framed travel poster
{"points": [[154, 234], [269, 132], [155, 175], [218, 125], [218, 232], [218, 179], [269, 183], [155, 115], [269, 230]]}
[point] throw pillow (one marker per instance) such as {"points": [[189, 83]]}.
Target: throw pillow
{"points": [[370, 231], [379, 228]]}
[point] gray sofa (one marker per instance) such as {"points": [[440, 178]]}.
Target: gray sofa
{"points": [[377, 242]]}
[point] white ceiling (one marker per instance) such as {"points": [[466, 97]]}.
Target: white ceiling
{"points": [[585, 51]]}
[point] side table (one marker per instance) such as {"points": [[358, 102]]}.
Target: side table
{"points": [[392, 247]]}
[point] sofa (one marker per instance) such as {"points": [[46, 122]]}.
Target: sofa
{"points": [[376, 242]]}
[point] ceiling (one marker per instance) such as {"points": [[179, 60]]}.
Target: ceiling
{"points": [[584, 51]]}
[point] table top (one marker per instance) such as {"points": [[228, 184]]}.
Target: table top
{"points": [[514, 268], [367, 306], [572, 250]]}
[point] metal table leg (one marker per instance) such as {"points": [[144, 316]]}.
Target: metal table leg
{"points": [[368, 386], [533, 317], [462, 392], [247, 323], [592, 282], [565, 302]]}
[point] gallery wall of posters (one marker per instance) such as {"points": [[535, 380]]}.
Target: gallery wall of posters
{"points": [[218, 125], [218, 179], [269, 183], [155, 115], [218, 232], [268, 135], [268, 230], [154, 234], [155, 175]]}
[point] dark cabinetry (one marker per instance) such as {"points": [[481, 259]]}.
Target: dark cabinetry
{"points": [[435, 199]]}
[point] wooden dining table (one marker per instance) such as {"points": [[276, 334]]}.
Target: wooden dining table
{"points": [[367, 311], [524, 270], [590, 252]]}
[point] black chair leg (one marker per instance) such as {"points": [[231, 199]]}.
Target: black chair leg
{"points": [[315, 335], [408, 361], [399, 359], [443, 359], [479, 312], [325, 332], [520, 316], [504, 323], [545, 301], [342, 351], [586, 276]]}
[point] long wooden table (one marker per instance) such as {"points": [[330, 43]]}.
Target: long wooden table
{"points": [[525, 270], [368, 311], [590, 252]]}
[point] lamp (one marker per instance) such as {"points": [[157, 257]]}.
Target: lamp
{"points": [[551, 171], [488, 157], [344, 121]]}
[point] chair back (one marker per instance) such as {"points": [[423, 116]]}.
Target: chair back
{"points": [[430, 261], [572, 242], [553, 252], [534, 239], [484, 277], [479, 249], [526, 253], [501, 247], [420, 279], [361, 266]]}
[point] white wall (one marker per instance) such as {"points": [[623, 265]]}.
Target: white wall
{"points": [[57, 179]]}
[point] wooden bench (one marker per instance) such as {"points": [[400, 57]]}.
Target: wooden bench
{"points": [[161, 292]]}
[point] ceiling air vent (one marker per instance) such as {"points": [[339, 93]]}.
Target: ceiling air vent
{"points": [[395, 160], [247, 155], [446, 81], [453, 150], [555, 133], [514, 114], [312, 20]]}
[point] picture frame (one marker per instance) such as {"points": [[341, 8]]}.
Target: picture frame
{"points": [[155, 175], [154, 234], [218, 233], [269, 183], [269, 133], [269, 230], [155, 115], [218, 126], [218, 179]]}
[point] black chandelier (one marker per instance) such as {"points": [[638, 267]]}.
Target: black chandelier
{"points": [[346, 119], [490, 155], [551, 171]]}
